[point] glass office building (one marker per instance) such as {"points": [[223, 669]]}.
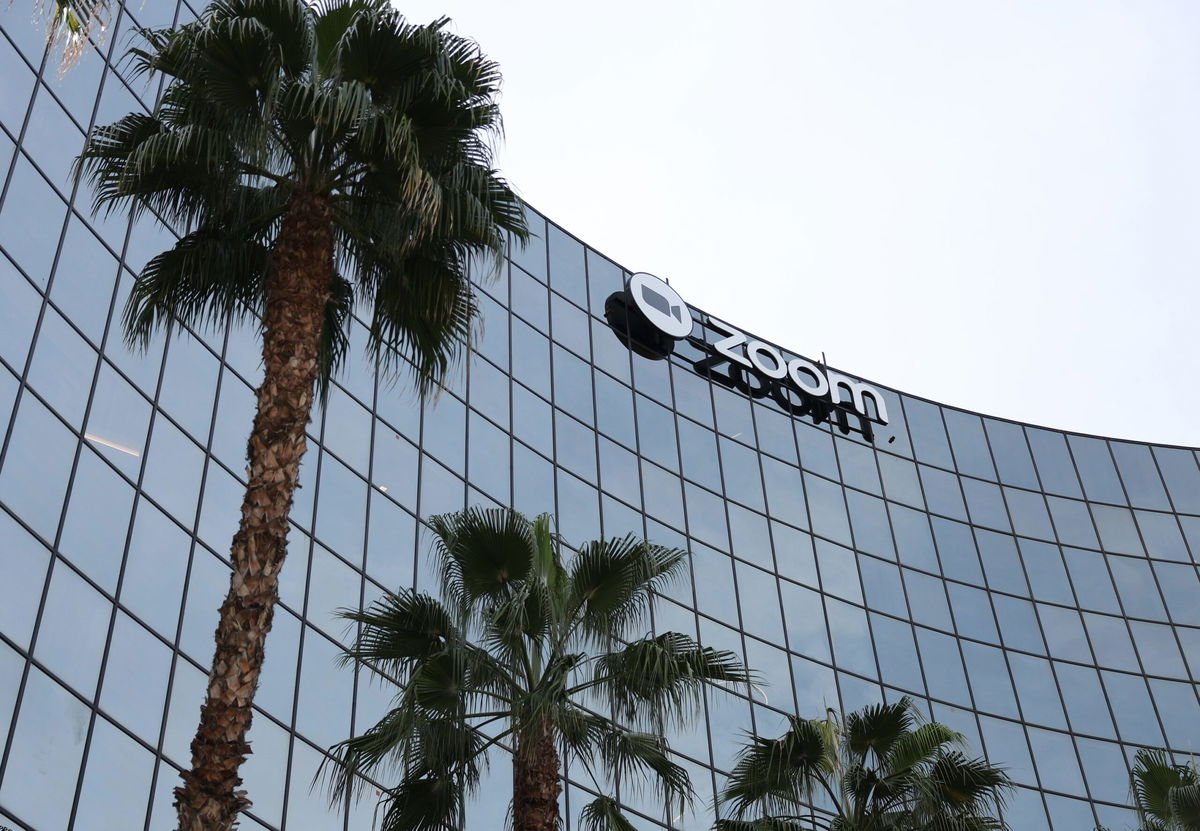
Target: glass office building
{"points": [[1033, 588]]}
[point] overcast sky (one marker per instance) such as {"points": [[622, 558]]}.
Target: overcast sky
{"points": [[994, 205]]}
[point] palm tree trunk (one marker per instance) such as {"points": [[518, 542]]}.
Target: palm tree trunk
{"points": [[536, 782], [297, 292]]}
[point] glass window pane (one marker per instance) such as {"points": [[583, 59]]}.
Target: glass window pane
{"points": [[173, 467], [851, 638], [942, 492], [189, 382], [900, 481], [1110, 640], [839, 571], [1181, 588], [1011, 453], [1180, 472], [1018, 625], [1140, 476], [135, 679], [570, 326], [973, 613], [1054, 464], [802, 609], [1092, 583], [989, 679], [1162, 537], [74, 626], [827, 509], [1135, 714], [1157, 648], [928, 433], [46, 751], [1180, 713], [1065, 637], [869, 521], [1047, 574], [943, 667], [971, 453], [1036, 690], [1136, 586], [116, 781], [1096, 469], [1056, 762], [1117, 531], [815, 445], [97, 520], [956, 549], [1029, 514], [898, 662], [18, 315], [656, 433], [323, 707], [34, 479], [928, 598], [1001, 563], [1072, 522], [985, 504]]}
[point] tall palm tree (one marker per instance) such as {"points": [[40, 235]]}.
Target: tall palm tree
{"points": [[319, 158], [878, 769], [1166, 796], [526, 649]]}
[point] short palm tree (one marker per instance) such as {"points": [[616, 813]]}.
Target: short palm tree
{"points": [[1166, 796], [533, 652], [318, 158], [878, 769]]}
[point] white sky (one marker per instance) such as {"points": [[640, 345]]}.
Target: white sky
{"points": [[994, 205]]}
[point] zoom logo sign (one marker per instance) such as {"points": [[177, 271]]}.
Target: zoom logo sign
{"points": [[661, 305], [797, 385], [651, 318]]}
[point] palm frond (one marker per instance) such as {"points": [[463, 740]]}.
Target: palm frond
{"points": [[920, 747], [613, 584], [604, 814], [874, 729], [767, 824], [426, 803], [482, 553], [1153, 781], [641, 759], [206, 279], [775, 775], [663, 677], [398, 630]]}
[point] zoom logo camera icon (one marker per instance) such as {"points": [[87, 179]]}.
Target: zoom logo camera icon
{"points": [[661, 305], [648, 316]]}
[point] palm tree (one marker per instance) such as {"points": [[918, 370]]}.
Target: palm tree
{"points": [[319, 158], [528, 650], [1167, 796], [878, 769]]}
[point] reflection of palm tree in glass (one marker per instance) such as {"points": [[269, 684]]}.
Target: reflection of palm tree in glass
{"points": [[527, 649], [317, 159]]}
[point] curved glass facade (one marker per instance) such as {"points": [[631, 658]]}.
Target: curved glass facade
{"points": [[1035, 589]]}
